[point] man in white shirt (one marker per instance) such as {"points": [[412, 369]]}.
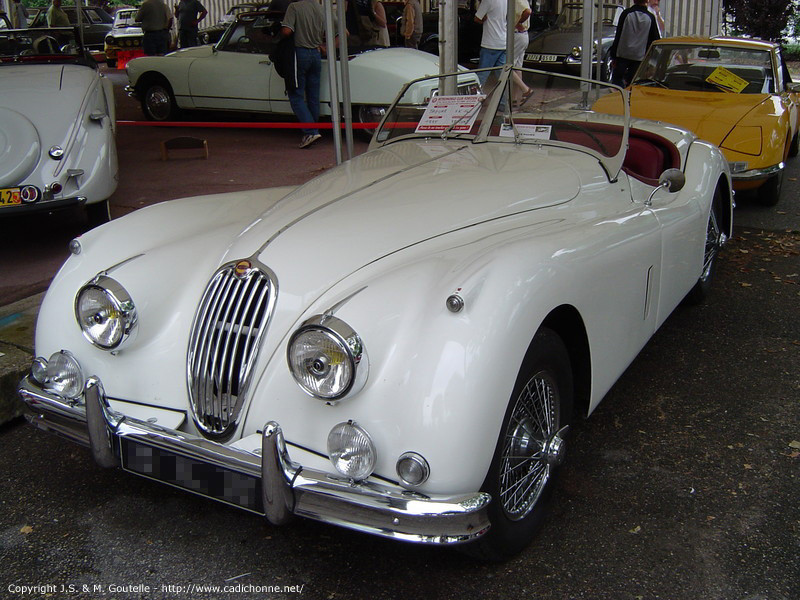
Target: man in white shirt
{"points": [[492, 15]]}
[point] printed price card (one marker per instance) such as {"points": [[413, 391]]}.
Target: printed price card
{"points": [[450, 113], [726, 79], [527, 132]]}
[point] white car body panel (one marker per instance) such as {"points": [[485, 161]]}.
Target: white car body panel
{"points": [[65, 105], [391, 314], [206, 78], [527, 233]]}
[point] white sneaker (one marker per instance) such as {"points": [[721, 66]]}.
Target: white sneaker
{"points": [[309, 139]]}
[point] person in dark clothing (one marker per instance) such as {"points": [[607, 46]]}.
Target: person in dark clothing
{"points": [[189, 13], [636, 30]]}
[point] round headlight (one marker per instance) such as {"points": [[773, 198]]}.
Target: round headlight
{"points": [[577, 51], [105, 312], [63, 375], [351, 451], [327, 359], [412, 469]]}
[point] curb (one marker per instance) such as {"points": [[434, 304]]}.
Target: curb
{"points": [[17, 323]]}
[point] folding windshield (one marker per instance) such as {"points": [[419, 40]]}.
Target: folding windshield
{"points": [[513, 106], [56, 44], [707, 68]]}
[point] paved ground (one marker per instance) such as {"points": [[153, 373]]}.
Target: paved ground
{"points": [[682, 485]]}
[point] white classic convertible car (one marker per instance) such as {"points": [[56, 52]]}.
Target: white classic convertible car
{"points": [[57, 122], [399, 345], [237, 74]]}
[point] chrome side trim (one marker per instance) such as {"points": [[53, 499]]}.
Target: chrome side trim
{"points": [[754, 174], [287, 488]]}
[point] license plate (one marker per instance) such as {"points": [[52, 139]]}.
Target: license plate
{"points": [[10, 196], [191, 475], [541, 57]]}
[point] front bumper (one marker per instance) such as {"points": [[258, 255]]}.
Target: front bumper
{"points": [[270, 484], [756, 175], [43, 205]]}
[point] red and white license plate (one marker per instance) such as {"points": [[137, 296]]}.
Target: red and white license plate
{"points": [[10, 196]]}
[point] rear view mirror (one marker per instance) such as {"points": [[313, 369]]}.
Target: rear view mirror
{"points": [[709, 53]]}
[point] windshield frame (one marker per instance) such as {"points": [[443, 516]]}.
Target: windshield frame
{"points": [[495, 110]]}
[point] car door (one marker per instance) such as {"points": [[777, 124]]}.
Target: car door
{"points": [[237, 74]]}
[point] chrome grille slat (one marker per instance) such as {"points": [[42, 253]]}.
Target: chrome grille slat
{"points": [[229, 324]]}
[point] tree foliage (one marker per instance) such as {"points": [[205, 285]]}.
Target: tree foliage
{"points": [[765, 19]]}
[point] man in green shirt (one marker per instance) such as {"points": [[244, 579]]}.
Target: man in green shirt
{"points": [[57, 17]]}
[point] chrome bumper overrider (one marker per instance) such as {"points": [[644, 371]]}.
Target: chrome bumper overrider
{"points": [[274, 485]]}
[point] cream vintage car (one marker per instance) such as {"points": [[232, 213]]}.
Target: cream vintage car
{"points": [[57, 122], [237, 74], [399, 345]]}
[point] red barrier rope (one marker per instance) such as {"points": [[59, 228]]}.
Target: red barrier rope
{"points": [[236, 125]]}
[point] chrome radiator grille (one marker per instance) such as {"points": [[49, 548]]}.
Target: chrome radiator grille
{"points": [[230, 322]]}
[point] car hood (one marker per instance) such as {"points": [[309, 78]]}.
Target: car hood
{"points": [[711, 115], [40, 104], [392, 199], [373, 206]]}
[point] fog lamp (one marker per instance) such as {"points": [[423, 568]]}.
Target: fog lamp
{"points": [[577, 51], [412, 469], [351, 451], [39, 370], [63, 376]]}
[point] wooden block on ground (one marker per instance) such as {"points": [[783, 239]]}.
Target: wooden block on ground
{"points": [[183, 143]]}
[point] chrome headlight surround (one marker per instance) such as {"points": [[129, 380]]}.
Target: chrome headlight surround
{"points": [[327, 358], [105, 312]]}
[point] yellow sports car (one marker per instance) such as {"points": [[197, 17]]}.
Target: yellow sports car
{"points": [[735, 93]]}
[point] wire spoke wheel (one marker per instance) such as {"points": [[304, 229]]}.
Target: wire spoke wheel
{"points": [[524, 467], [713, 244], [530, 447]]}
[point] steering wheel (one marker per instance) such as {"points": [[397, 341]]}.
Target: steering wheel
{"points": [[47, 44]]}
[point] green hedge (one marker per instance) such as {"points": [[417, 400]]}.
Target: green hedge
{"points": [[791, 52]]}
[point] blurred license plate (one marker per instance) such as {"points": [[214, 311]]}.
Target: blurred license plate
{"points": [[9, 196], [541, 57]]}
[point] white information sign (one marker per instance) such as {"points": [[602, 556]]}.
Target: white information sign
{"points": [[527, 132], [453, 113]]}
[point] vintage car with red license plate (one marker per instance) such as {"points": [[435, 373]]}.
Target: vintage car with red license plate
{"points": [[399, 345], [57, 122]]}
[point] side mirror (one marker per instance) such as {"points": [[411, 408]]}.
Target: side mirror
{"points": [[672, 180]]}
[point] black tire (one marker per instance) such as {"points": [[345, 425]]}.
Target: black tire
{"points": [[715, 237], [98, 213], [538, 413], [770, 191], [158, 101], [367, 114], [111, 63]]}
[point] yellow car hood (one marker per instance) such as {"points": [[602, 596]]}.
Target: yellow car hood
{"points": [[710, 115]]}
